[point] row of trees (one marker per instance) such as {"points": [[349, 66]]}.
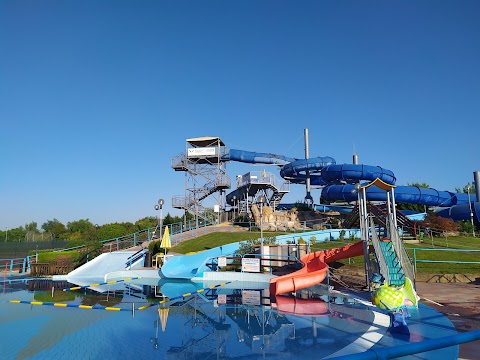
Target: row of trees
{"points": [[82, 230]]}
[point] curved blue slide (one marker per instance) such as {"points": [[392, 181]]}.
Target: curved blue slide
{"points": [[192, 265], [339, 179]]}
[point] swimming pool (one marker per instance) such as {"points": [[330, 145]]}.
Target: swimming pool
{"points": [[235, 320]]}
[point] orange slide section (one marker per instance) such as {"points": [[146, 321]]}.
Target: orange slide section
{"points": [[295, 306], [314, 270]]}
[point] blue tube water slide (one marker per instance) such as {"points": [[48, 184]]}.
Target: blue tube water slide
{"points": [[194, 265], [338, 182]]}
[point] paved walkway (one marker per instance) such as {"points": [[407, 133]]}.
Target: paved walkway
{"points": [[460, 302]]}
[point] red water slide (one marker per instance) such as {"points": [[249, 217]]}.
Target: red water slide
{"points": [[296, 306], [314, 270]]}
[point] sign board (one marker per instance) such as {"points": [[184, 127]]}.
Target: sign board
{"points": [[216, 208], [222, 298], [222, 261], [246, 178], [251, 297], [201, 152], [250, 265]]}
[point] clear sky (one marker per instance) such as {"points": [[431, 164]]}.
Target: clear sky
{"points": [[97, 97]]}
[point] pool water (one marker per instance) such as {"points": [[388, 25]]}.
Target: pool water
{"points": [[231, 321]]}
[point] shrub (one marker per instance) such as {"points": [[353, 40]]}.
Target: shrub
{"points": [[439, 223]]}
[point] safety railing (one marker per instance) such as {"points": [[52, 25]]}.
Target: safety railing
{"points": [[416, 260], [382, 262], [134, 258], [401, 252], [267, 261], [20, 265]]}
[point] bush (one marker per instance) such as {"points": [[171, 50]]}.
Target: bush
{"points": [[465, 226], [154, 247], [439, 223], [248, 246]]}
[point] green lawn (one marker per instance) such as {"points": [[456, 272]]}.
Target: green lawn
{"points": [[216, 239], [212, 240]]}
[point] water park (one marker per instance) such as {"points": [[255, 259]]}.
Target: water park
{"points": [[276, 293]]}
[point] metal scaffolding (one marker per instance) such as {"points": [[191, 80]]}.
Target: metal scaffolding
{"points": [[205, 175]]}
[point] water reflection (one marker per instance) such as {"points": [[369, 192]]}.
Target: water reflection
{"points": [[231, 321]]}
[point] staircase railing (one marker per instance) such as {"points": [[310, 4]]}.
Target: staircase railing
{"points": [[382, 262], [405, 261], [380, 215], [351, 218]]}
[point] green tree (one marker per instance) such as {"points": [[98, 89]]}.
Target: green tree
{"points": [[146, 223], [112, 231], [168, 219], [301, 206], [32, 227], [16, 234], [469, 188], [55, 227], [82, 226]]}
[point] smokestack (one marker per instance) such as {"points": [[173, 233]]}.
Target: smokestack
{"points": [[476, 179], [355, 159], [307, 150]]}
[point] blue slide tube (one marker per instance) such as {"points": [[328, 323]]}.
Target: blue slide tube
{"points": [[323, 171], [189, 266]]}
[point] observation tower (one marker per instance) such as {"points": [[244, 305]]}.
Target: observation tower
{"points": [[205, 175]]}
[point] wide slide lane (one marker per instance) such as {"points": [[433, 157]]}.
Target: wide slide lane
{"points": [[314, 270]]}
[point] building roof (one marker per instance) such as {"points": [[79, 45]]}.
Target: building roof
{"points": [[380, 184], [205, 141]]}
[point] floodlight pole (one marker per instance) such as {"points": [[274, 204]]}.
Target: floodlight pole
{"points": [[160, 219]]}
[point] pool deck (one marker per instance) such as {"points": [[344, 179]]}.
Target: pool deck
{"points": [[460, 302]]}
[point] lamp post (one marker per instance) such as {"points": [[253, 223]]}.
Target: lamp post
{"points": [[261, 200], [471, 211], [154, 340], [6, 234], [160, 219]]}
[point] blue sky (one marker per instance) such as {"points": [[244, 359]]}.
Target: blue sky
{"points": [[97, 97]]}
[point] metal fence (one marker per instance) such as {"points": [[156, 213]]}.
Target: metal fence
{"points": [[417, 250]]}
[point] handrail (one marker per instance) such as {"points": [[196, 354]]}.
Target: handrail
{"points": [[406, 262], [283, 258], [271, 255], [382, 262]]}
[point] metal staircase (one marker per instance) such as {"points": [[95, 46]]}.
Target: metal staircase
{"points": [[253, 184], [403, 222], [352, 220], [205, 175], [381, 218], [396, 276]]}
